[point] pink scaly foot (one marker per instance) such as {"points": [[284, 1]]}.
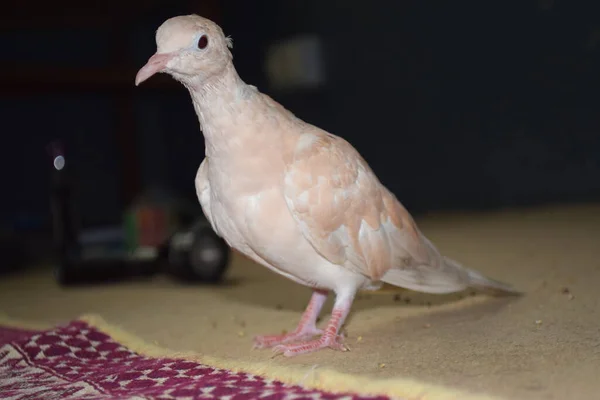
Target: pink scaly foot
{"points": [[306, 327], [262, 342], [294, 349], [330, 338]]}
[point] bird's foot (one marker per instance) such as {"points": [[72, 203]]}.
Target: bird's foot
{"points": [[262, 342], [290, 350]]}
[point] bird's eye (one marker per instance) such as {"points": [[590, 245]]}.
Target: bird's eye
{"points": [[202, 42]]}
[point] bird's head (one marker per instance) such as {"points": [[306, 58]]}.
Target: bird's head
{"points": [[190, 48]]}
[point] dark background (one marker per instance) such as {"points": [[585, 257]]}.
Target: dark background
{"points": [[456, 105]]}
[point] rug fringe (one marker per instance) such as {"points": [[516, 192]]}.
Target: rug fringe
{"points": [[314, 378]]}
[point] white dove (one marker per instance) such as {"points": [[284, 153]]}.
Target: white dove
{"points": [[293, 197]]}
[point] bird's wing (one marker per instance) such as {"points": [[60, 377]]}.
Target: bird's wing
{"points": [[203, 192], [343, 210]]}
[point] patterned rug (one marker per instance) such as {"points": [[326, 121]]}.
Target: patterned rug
{"points": [[80, 361]]}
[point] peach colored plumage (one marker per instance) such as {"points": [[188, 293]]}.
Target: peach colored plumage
{"points": [[292, 197]]}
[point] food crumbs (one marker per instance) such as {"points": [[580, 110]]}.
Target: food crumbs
{"points": [[568, 293], [538, 322], [241, 334], [382, 365], [358, 339]]}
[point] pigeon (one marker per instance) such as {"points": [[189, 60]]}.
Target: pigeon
{"points": [[295, 198]]}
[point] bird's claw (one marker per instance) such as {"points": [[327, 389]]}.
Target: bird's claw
{"points": [[290, 350], [262, 342]]}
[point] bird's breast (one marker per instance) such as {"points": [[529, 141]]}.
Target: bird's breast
{"points": [[260, 226], [242, 189]]}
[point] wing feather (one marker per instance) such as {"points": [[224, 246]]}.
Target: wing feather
{"points": [[343, 210]]}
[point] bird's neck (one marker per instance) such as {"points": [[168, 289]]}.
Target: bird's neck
{"points": [[219, 102]]}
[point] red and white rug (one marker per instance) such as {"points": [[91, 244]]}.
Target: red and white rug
{"points": [[78, 361]]}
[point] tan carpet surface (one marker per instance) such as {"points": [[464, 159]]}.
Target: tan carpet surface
{"points": [[545, 345]]}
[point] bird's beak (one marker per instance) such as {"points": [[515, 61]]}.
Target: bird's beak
{"points": [[157, 63]]}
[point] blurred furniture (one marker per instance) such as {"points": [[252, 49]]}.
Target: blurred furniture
{"points": [[117, 79]]}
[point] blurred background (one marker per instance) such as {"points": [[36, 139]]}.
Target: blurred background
{"points": [[468, 105]]}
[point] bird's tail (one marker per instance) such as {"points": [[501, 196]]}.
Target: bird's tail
{"points": [[444, 275], [481, 282]]}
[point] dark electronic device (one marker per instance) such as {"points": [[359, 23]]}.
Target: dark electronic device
{"points": [[197, 254], [194, 253]]}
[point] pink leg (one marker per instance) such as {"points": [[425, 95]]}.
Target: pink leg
{"points": [[330, 338], [306, 328]]}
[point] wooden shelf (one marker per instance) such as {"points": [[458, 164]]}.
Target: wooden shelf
{"points": [[33, 14], [27, 80], [115, 17]]}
